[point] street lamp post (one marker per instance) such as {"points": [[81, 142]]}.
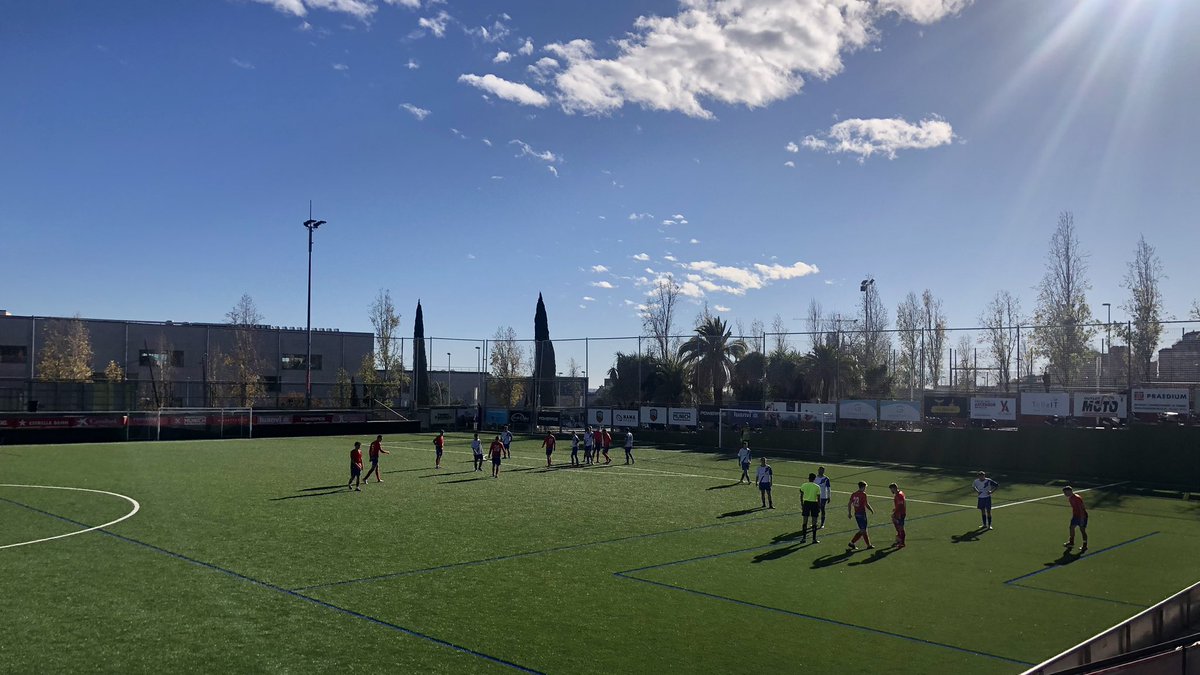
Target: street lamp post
{"points": [[447, 401], [311, 225]]}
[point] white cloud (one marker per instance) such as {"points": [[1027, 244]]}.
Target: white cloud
{"points": [[866, 137], [792, 147], [458, 133], [416, 111], [502, 57], [509, 91], [641, 257], [588, 298], [497, 177], [470, 256], [527, 151], [640, 216], [526, 48], [722, 308], [599, 268], [602, 284], [670, 258], [341, 66], [542, 68], [244, 65], [790, 164], [435, 24], [734, 52], [694, 241], [712, 277], [361, 9], [553, 170], [487, 142], [412, 65], [679, 216], [777, 272], [628, 303], [494, 33]]}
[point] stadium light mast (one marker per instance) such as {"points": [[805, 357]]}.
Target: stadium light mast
{"points": [[311, 225]]}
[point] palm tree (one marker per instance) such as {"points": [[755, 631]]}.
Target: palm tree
{"points": [[712, 352], [832, 372]]}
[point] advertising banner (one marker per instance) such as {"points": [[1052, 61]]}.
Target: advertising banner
{"points": [[549, 418], [778, 406], [814, 412], [1046, 405], [709, 416], [754, 418], [625, 418], [1099, 405], [654, 415], [519, 418], [85, 421], [857, 410], [900, 411], [497, 417], [600, 416], [1161, 400], [684, 417], [947, 406], [991, 408], [441, 416]]}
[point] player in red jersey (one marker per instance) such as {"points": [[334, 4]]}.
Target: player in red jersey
{"points": [[548, 444], [496, 451], [439, 446], [899, 513], [373, 453], [607, 445], [1079, 518], [857, 509], [355, 467], [597, 443]]}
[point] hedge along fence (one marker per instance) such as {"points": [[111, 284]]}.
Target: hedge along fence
{"points": [[1151, 454]]}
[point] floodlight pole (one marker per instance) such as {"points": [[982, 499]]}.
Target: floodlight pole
{"points": [[311, 225]]}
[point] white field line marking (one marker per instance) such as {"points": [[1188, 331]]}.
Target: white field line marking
{"points": [[1038, 499], [136, 508]]}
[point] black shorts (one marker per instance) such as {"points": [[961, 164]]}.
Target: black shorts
{"points": [[496, 461], [810, 509]]}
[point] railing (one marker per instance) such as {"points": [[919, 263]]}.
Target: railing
{"points": [[1176, 616]]}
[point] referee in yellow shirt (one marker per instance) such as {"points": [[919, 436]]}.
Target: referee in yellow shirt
{"points": [[810, 506]]}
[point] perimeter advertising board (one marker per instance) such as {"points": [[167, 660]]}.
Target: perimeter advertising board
{"points": [[654, 415], [900, 411], [947, 406], [993, 408], [815, 412], [625, 418], [549, 418], [683, 417], [1046, 405], [600, 416], [1161, 400], [1099, 405], [857, 410]]}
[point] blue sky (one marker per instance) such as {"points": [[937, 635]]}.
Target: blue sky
{"points": [[159, 156]]}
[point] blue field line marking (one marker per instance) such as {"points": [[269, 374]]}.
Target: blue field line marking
{"points": [[822, 619], [775, 544], [1077, 595], [1088, 557], [526, 554], [291, 593]]}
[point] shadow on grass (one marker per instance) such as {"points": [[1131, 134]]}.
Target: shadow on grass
{"points": [[789, 536], [465, 480], [405, 470], [447, 473], [323, 487], [722, 486], [1065, 559], [829, 560], [777, 553], [735, 514], [879, 554], [969, 536], [340, 488]]}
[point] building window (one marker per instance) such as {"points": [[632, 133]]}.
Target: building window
{"points": [[14, 354], [271, 382], [296, 362], [147, 357]]}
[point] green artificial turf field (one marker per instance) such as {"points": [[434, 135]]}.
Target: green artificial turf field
{"points": [[251, 556]]}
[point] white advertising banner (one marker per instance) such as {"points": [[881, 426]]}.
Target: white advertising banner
{"points": [[1046, 405], [684, 417], [777, 406], [857, 410], [900, 411], [440, 417], [990, 408], [654, 415], [1161, 400], [811, 412], [625, 418], [1099, 405], [600, 416]]}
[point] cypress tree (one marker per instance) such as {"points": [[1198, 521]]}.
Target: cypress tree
{"points": [[420, 365], [544, 366]]}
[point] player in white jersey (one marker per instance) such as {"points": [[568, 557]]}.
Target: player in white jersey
{"points": [[744, 462], [984, 487], [822, 482], [764, 478], [477, 452]]}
